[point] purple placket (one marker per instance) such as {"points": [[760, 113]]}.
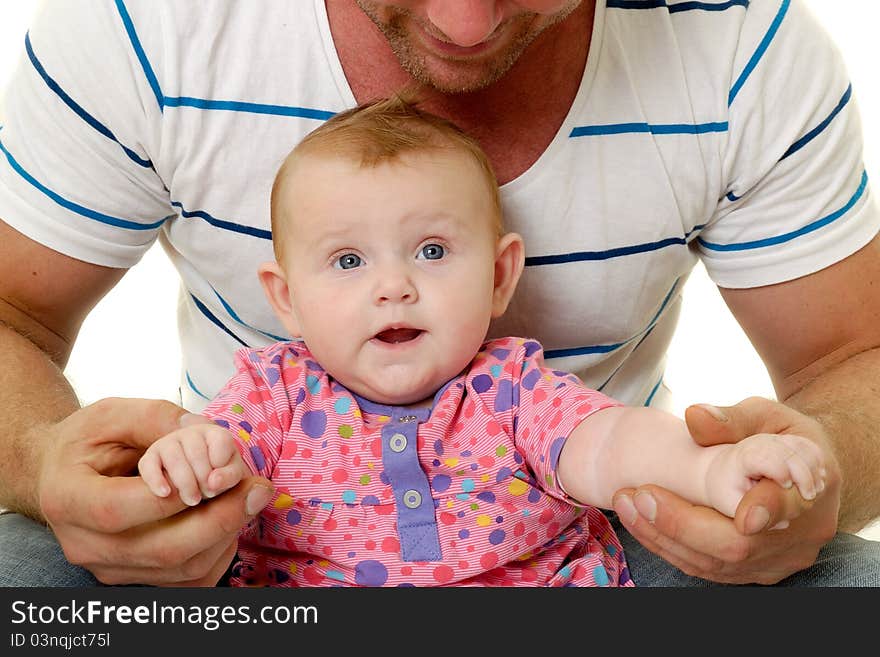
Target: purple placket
{"points": [[416, 521]]}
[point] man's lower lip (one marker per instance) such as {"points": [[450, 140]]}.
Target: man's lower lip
{"points": [[454, 50]]}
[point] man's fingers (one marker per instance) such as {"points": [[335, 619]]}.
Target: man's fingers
{"points": [[133, 422], [767, 504], [713, 425]]}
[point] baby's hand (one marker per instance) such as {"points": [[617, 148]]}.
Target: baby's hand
{"points": [[200, 461], [786, 459]]}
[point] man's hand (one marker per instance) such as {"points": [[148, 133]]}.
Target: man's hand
{"points": [[751, 548], [112, 524]]}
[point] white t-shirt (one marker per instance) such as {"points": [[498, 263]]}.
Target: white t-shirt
{"points": [[720, 130]]}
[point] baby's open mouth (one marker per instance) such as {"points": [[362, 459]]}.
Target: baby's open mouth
{"points": [[397, 335]]}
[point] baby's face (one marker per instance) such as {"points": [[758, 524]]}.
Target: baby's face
{"points": [[390, 269]]}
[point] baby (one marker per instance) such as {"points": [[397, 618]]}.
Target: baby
{"points": [[404, 449]]}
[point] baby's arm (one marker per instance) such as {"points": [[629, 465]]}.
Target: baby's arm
{"points": [[626, 447], [200, 461]]}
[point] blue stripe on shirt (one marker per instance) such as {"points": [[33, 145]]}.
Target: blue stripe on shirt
{"points": [[812, 134], [78, 109], [809, 228], [675, 8], [215, 320], [617, 252], [252, 108], [759, 52], [652, 128], [222, 223], [235, 316], [75, 207], [139, 51]]}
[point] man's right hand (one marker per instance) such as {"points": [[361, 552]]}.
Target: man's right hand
{"points": [[108, 521]]}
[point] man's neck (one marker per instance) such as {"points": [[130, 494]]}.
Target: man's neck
{"points": [[526, 106]]}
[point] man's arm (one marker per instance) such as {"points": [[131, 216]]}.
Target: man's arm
{"points": [[58, 462], [44, 297], [819, 337]]}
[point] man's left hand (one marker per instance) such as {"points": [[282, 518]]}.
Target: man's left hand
{"points": [[775, 532]]}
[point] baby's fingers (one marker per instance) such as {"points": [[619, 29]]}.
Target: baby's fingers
{"points": [[223, 478], [769, 456], [807, 456], [150, 468], [180, 473]]}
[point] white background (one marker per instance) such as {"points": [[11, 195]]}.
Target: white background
{"points": [[710, 359]]}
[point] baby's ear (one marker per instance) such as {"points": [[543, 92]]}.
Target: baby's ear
{"points": [[274, 282], [509, 261]]}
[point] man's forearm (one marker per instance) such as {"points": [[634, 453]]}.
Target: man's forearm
{"points": [[846, 401], [35, 394]]}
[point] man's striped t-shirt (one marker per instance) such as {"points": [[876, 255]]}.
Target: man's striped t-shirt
{"points": [[722, 130]]}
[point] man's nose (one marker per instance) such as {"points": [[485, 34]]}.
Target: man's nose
{"points": [[464, 23]]}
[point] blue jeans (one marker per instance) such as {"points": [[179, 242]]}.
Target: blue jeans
{"points": [[30, 556]]}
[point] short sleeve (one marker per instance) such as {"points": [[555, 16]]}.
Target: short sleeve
{"points": [[255, 406], [539, 405], [797, 196], [81, 128]]}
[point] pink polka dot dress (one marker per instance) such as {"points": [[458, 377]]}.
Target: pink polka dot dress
{"points": [[463, 493]]}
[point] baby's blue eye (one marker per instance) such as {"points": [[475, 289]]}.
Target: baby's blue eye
{"points": [[348, 261], [432, 252]]}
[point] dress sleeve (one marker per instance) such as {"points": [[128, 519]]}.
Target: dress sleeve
{"points": [[539, 405], [81, 135], [255, 405], [796, 197]]}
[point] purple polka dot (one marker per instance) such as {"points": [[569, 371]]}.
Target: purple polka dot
{"points": [[534, 495], [276, 359], [486, 496], [313, 423], [258, 458], [531, 347], [497, 536], [384, 478], [517, 457], [474, 466], [280, 576], [501, 354], [460, 514], [370, 573], [293, 517], [530, 379], [222, 423], [466, 453], [463, 534], [300, 396], [504, 396], [440, 483], [438, 447], [313, 366], [503, 474], [482, 382], [555, 450], [515, 396], [272, 376], [370, 500], [499, 519], [624, 576], [247, 426], [351, 555]]}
